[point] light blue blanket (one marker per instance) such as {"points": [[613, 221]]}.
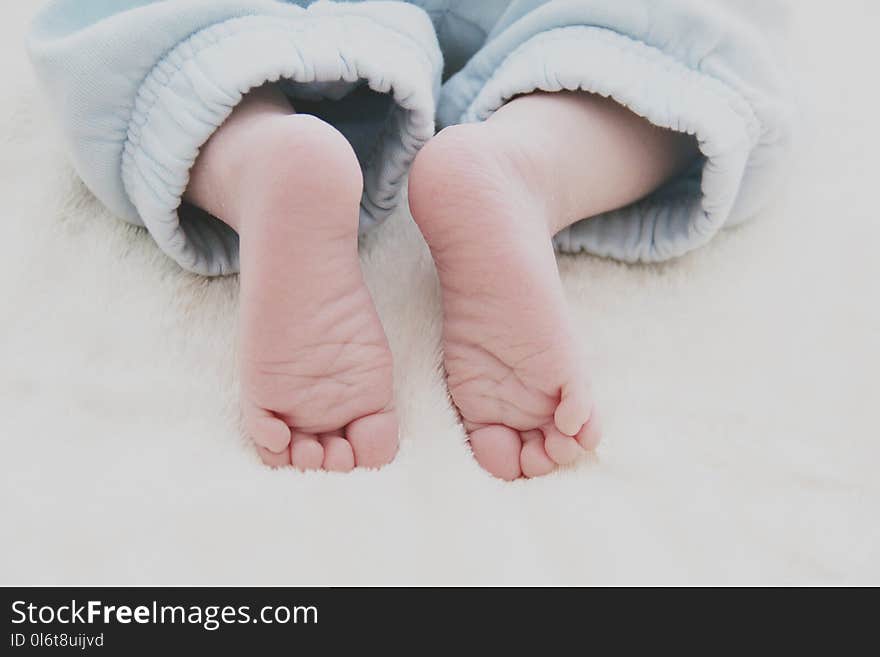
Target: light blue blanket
{"points": [[139, 86]]}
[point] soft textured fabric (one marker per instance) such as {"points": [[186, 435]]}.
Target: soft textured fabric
{"points": [[140, 86], [740, 384]]}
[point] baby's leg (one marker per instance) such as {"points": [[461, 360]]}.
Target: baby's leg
{"points": [[488, 198], [315, 365]]}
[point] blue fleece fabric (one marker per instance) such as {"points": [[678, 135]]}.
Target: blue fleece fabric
{"points": [[140, 85]]}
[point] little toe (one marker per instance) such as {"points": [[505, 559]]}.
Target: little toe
{"points": [[534, 460], [338, 454], [561, 448], [591, 434], [273, 459], [306, 452], [374, 439], [573, 410], [497, 449], [268, 431]]}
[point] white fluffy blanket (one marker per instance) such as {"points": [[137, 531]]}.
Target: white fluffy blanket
{"points": [[739, 388]]}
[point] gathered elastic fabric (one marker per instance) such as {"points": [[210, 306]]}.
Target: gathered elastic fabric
{"points": [[137, 110]]}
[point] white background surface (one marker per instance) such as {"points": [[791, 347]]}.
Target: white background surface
{"points": [[739, 388]]}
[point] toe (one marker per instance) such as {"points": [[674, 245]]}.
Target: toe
{"points": [[338, 454], [573, 410], [591, 433], [306, 452], [561, 448], [273, 459], [534, 460], [267, 431], [374, 439], [497, 448]]}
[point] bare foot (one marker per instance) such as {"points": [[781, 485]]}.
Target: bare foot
{"points": [[315, 365], [511, 357], [488, 197]]}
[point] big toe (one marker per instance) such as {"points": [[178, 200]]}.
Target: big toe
{"points": [[374, 439], [497, 448]]}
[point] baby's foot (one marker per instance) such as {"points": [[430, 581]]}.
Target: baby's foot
{"points": [[511, 356], [315, 365]]}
